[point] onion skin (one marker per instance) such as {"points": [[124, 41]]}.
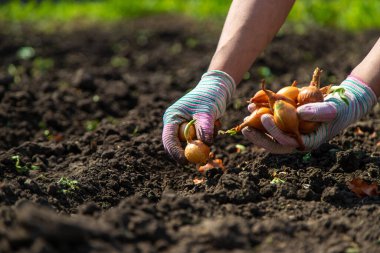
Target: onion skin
{"points": [[311, 93], [290, 91], [273, 97], [286, 118], [254, 120], [197, 152], [307, 127], [326, 90], [181, 132], [259, 97]]}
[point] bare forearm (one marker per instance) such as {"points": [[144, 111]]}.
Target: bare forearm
{"points": [[369, 69], [249, 27]]}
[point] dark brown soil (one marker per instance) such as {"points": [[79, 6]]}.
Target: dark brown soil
{"points": [[96, 117]]}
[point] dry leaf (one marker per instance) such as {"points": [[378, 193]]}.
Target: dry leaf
{"points": [[216, 163], [373, 135], [58, 137], [358, 131], [198, 180], [362, 189]]}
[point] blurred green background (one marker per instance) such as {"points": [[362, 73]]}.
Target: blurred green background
{"points": [[352, 15]]}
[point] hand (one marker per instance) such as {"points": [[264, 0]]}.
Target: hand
{"points": [[205, 103], [334, 112]]}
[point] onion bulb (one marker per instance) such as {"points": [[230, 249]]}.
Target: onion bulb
{"points": [[311, 93], [181, 132], [260, 97], [253, 120], [290, 91], [307, 127], [196, 151], [285, 116]]}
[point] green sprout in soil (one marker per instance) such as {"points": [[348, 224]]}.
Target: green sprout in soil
{"points": [[119, 62], [135, 131], [240, 148], [237, 104], [67, 185], [306, 158], [276, 179], [22, 168], [41, 65], [16, 71], [91, 125], [26, 53]]}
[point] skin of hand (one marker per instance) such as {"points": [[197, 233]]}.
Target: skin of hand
{"points": [[249, 27], [362, 89]]}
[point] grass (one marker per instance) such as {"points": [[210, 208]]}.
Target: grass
{"points": [[357, 15]]}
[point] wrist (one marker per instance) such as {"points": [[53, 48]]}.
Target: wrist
{"points": [[360, 89], [221, 83]]}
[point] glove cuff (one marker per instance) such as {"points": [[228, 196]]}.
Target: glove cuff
{"points": [[361, 91], [221, 79]]}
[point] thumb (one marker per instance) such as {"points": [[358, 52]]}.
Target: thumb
{"points": [[204, 126], [172, 144], [321, 111]]}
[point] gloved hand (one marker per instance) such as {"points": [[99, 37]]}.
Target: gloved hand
{"points": [[334, 112], [205, 103]]}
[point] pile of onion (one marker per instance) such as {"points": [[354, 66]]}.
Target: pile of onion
{"points": [[283, 106]]}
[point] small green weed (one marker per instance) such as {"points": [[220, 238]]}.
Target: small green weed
{"points": [[22, 168], [91, 125], [67, 185], [306, 158]]}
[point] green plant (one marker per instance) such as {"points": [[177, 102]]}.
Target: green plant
{"points": [[67, 185], [26, 53], [277, 180], [22, 168], [91, 125], [277, 177], [306, 158], [358, 16], [42, 65]]}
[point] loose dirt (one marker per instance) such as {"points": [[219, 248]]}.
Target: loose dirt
{"points": [[87, 108]]}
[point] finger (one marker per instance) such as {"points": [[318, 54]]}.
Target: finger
{"points": [[268, 122], [204, 126], [172, 144], [315, 139], [264, 141], [321, 111], [251, 107]]}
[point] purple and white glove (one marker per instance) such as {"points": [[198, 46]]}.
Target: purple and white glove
{"points": [[334, 112], [206, 103]]}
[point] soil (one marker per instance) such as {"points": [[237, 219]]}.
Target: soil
{"points": [[83, 117]]}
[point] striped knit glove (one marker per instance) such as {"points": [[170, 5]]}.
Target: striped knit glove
{"points": [[205, 103], [336, 114]]}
